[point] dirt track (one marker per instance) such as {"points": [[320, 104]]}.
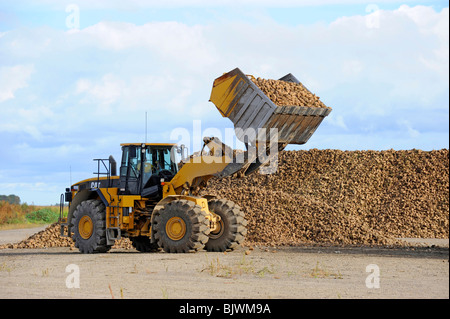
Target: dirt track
{"points": [[264, 272], [17, 235]]}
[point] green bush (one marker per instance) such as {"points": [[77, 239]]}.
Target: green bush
{"points": [[43, 215]]}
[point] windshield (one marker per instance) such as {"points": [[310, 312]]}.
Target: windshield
{"points": [[158, 159]]}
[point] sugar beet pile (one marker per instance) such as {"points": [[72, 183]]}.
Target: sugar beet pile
{"points": [[332, 197], [288, 93], [345, 197]]}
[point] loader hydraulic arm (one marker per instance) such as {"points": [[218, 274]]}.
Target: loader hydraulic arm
{"points": [[219, 161]]}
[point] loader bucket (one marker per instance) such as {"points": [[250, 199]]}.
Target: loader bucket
{"points": [[238, 98]]}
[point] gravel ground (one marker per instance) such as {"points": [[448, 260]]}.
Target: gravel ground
{"points": [[261, 272], [17, 235]]}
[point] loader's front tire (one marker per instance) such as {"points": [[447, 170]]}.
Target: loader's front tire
{"points": [[180, 227], [89, 227], [232, 230]]}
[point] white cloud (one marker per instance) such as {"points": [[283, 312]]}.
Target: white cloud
{"points": [[337, 120], [352, 68], [25, 119], [17, 187], [13, 78], [142, 4], [171, 41], [167, 68], [425, 17], [107, 91], [407, 51], [407, 125], [87, 90]]}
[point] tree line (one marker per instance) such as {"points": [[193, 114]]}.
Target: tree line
{"points": [[12, 199]]}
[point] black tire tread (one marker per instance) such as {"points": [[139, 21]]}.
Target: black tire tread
{"points": [[196, 223], [97, 212], [143, 244], [235, 228]]}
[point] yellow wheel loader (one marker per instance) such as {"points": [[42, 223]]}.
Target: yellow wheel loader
{"points": [[154, 199]]}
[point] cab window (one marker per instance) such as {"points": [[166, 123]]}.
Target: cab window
{"points": [[131, 157]]}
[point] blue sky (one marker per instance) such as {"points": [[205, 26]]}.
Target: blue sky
{"points": [[70, 94]]}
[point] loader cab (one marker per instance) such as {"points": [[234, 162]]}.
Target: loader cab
{"points": [[145, 166]]}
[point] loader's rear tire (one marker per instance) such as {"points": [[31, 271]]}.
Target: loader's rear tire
{"points": [[143, 244], [89, 227], [232, 229], [180, 227]]}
